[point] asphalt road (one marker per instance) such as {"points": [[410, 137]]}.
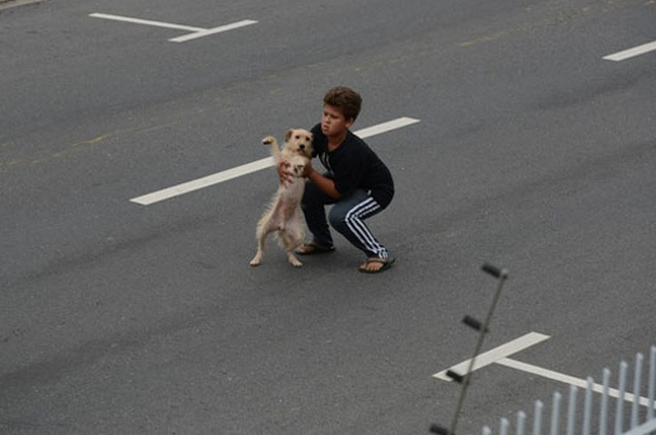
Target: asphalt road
{"points": [[532, 152]]}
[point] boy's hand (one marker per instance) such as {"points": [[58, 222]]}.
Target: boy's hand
{"points": [[307, 170], [284, 173]]}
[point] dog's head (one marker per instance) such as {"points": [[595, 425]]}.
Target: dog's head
{"points": [[299, 141]]}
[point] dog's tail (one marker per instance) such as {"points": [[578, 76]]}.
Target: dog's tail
{"points": [[275, 149]]}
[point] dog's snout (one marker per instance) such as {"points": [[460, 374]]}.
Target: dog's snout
{"points": [[302, 146]]}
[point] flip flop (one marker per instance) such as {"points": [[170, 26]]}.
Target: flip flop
{"points": [[313, 249], [386, 264]]}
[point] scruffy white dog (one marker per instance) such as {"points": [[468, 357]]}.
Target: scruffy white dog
{"points": [[284, 213]]}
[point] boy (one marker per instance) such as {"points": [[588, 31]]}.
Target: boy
{"points": [[357, 182]]}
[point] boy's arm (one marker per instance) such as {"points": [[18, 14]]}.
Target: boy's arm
{"points": [[325, 184]]}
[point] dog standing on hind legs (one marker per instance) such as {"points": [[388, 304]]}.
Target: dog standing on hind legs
{"points": [[284, 213]]}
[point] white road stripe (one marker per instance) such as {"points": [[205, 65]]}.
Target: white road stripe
{"points": [[207, 32], [560, 377], [494, 355], [200, 183], [147, 22], [385, 127], [632, 52]]}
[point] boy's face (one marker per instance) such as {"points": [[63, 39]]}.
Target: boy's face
{"points": [[333, 122]]}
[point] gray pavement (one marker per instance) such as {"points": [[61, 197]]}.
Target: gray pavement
{"points": [[532, 152]]}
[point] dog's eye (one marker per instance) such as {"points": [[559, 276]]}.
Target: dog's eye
{"points": [[297, 137]]}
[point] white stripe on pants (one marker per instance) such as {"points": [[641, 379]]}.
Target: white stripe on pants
{"points": [[356, 225]]}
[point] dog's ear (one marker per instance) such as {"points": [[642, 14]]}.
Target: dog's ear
{"points": [[288, 134]]}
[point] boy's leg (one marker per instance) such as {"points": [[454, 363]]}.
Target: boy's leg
{"points": [[347, 217], [313, 206]]}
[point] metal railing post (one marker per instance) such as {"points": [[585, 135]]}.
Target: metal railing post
{"points": [[619, 410]]}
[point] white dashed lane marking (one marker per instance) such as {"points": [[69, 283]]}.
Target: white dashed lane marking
{"points": [[496, 354], [499, 355], [632, 52], [196, 32]]}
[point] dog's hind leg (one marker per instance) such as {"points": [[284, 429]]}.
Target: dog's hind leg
{"points": [[292, 238], [289, 248], [263, 230]]}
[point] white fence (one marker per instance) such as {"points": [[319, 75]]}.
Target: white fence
{"points": [[627, 421]]}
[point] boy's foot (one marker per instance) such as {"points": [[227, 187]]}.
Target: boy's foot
{"points": [[313, 248], [376, 265]]}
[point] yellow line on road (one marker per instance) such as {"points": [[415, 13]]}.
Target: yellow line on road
{"points": [[45, 157]]}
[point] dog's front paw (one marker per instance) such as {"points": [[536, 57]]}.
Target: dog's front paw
{"points": [[268, 140]]}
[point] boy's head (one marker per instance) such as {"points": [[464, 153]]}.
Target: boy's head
{"points": [[345, 99], [341, 106]]}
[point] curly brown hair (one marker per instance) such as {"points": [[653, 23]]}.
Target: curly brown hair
{"points": [[346, 99]]}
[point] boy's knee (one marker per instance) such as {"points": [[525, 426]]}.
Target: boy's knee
{"points": [[337, 220]]}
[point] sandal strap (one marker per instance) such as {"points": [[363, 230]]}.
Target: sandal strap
{"points": [[313, 248], [376, 260]]}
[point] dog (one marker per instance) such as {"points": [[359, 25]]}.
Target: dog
{"points": [[283, 215]]}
